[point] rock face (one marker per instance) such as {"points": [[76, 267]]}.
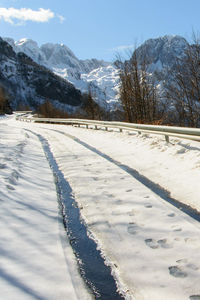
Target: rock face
{"points": [[55, 56], [85, 75], [100, 77], [161, 56], [29, 83], [163, 52]]}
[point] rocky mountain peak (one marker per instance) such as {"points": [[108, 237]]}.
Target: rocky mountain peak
{"points": [[59, 56], [101, 77], [29, 83], [163, 51], [29, 43]]}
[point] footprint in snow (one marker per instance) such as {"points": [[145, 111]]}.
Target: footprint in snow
{"points": [[183, 260], [109, 195], [11, 181], [171, 215], [118, 201], [153, 244], [15, 175], [95, 178], [9, 187], [181, 151], [3, 166], [132, 228], [177, 271], [176, 228], [20, 147], [13, 178], [191, 266], [8, 159], [164, 244]]}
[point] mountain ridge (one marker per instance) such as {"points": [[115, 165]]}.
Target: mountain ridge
{"points": [[63, 62], [97, 76], [29, 83]]}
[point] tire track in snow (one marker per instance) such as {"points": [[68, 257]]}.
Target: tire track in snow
{"points": [[157, 189], [89, 258], [165, 242]]}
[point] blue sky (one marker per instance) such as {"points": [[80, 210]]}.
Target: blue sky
{"points": [[98, 28]]}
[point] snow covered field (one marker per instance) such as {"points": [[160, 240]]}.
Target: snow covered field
{"points": [[152, 247]]}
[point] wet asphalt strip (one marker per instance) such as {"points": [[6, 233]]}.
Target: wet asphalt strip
{"points": [[156, 188], [96, 275]]}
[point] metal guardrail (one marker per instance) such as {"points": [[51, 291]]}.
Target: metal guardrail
{"points": [[167, 131], [23, 111]]}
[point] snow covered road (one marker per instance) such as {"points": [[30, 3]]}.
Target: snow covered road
{"points": [[151, 246], [36, 261]]}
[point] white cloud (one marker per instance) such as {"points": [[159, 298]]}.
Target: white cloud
{"points": [[11, 14], [61, 18], [124, 48]]}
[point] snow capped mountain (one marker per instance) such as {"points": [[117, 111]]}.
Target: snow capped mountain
{"points": [[59, 56], [27, 82], [62, 61], [162, 52], [161, 56], [107, 79], [98, 76], [29, 47]]}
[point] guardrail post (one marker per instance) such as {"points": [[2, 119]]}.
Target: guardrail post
{"points": [[167, 131], [167, 138]]}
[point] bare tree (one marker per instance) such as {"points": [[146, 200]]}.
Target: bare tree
{"points": [[91, 109], [138, 91], [47, 110], [4, 102], [183, 91]]}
